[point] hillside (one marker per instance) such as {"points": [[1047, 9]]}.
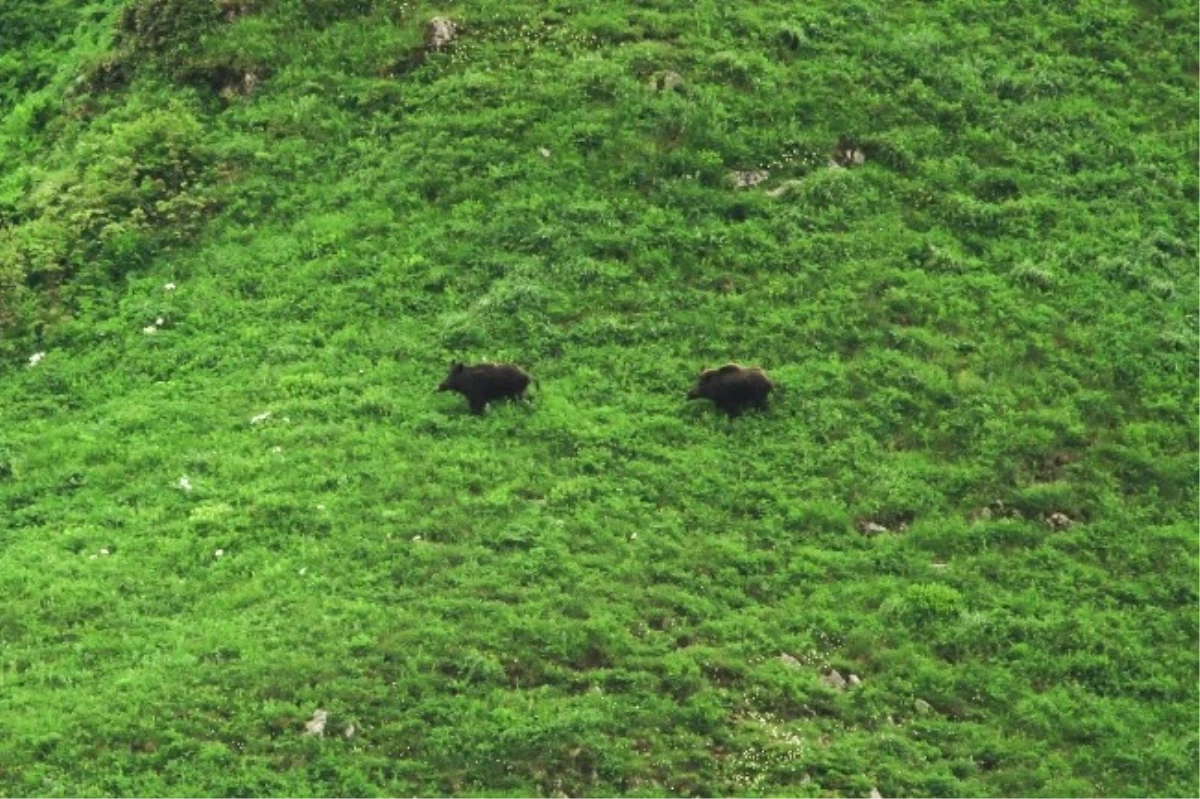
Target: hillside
{"points": [[242, 241]]}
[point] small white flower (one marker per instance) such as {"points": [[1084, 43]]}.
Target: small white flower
{"points": [[104, 552], [36, 358], [168, 286], [150, 330], [218, 553], [185, 483], [303, 571], [159, 321], [260, 418], [632, 536], [545, 152], [416, 538]]}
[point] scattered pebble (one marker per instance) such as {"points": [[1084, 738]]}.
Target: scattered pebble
{"points": [[159, 321], [633, 536], [219, 553], [416, 538], [168, 286], [104, 552], [854, 680], [349, 733], [922, 706], [150, 330], [185, 483], [875, 794], [277, 450], [545, 152], [260, 418], [320, 507], [92, 557], [788, 660], [316, 725], [36, 358], [303, 571]]}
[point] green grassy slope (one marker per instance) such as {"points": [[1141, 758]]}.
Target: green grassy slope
{"points": [[591, 596]]}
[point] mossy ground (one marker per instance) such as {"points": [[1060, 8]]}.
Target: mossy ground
{"points": [[590, 596]]}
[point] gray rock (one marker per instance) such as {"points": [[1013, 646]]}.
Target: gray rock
{"points": [[790, 661], [784, 188], [854, 681], [439, 32], [747, 178], [922, 706], [316, 725], [870, 528], [853, 157], [834, 679], [847, 154], [1059, 521], [666, 81], [875, 794]]}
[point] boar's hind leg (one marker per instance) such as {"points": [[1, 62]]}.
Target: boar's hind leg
{"points": [[477, 405]]}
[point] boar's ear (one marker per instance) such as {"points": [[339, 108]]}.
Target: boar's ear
{"points": [[456, 367]]}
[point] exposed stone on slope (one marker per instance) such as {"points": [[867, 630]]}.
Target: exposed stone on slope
{"points": [[666, 81], [744, 179], [1059, 521], [316, 725], [834, 679], [439, 32]]}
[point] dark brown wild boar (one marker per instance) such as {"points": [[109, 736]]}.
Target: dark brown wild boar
{"points": [[732, 386], [485, 382]]}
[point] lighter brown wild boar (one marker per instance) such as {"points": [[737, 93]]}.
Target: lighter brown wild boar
{"points": [[485, 382], [730, 387]]}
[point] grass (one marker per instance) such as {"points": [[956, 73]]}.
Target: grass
{"points": [[990, 321]]}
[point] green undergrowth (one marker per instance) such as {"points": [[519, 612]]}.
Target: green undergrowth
{"points": [[242, 242]]}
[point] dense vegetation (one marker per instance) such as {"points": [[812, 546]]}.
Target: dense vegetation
{"points": [[241, 242]]}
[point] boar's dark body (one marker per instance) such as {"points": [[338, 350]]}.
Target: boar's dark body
{"points": [[731, 387], [485, 382]]}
